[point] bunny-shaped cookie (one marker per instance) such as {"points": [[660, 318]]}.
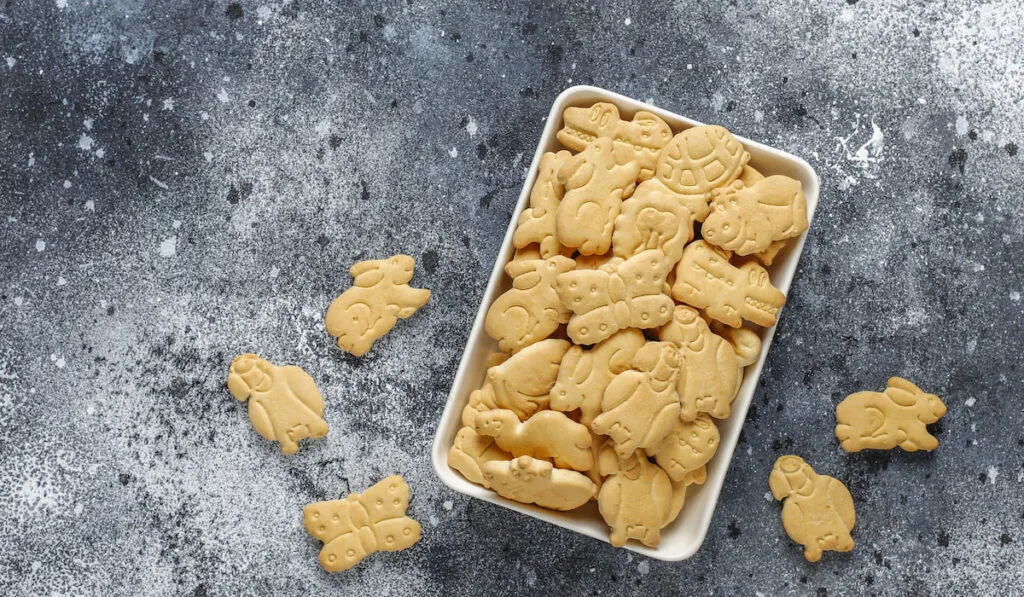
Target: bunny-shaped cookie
{"points": [[882, 421]]}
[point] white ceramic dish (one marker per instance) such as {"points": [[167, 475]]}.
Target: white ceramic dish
{"points": [[684, 536]]}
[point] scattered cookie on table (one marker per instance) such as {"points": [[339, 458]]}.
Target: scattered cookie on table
{"points": [[533, 481], [284, 403], [379, 297], [817, 511], [362, 524], [884, 420]]}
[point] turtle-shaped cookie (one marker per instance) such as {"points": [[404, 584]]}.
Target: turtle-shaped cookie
{"points": [[700, 159]]}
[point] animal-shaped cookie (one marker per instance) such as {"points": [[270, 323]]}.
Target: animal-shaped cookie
{"points": [[595, 185], [700, 159], [710, 375], [537, 223], [818, 510], [748, 220], [583, 375], [705, 279], [687, 448], [379, 297], [546, 434], [640, 139], [531, 310], [652, 220], [362, 524], [617, 296], [882, 421], [641, 406], [532, 481], [522, 383], [637, 502], [471, 451], [745, 342], [284, 403]]}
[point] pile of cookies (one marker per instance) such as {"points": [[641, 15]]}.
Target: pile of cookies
{"points": [[622, 338]]}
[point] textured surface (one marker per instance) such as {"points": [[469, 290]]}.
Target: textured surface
{"points": [[183, 183]]}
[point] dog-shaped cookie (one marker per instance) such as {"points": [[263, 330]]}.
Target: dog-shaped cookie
{"points": [[818, 510]]}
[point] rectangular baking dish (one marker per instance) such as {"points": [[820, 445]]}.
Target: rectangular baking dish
{"points": [[683, 537]]}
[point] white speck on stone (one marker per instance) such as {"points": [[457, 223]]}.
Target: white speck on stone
{"points": [[970, 402], [974, 427], [168, 105], [628, 22], [145, 117], [87, 123], [40, 245], [768, 497], [643, 567], [11, 62], [31, 160], [979, 218], [36, 565], [453, 153], [90, 205], [169, 247], [62, 3], [176, 224], [471, 127], [223, 96], [67, 184], [61, 281], [961, 125], [78, 509], [448, 505], [531, 577], [158, 182], [758, 116], [717, 102], [264, 13], [689, 67], [85, 142], [53, 357], [921, 101], [18, 301], [274, 272], [972, 345], [322, 128], [204, 116], [389, 32], [60, 362], [90, 410], [101, 152], [993, 474], [434, 521], [1015, 296]]}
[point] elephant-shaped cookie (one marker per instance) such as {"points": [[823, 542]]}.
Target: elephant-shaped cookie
{"points": [[652, 219], [748, 219], [818, 510], [537, 223], [595, 185], [710, 374], [640, 139], [531, 310], [640, 406], [882, 421], [284, 403], [379, 297], [546, 434], [583, 375], [705, 279], [533, 481]]}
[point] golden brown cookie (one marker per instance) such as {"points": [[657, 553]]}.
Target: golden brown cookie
{"points": [[284, 403], [531, 310], [882, 421], [748, 220], [710, 374], [687, 448], [362, 524], [583, 375], [640, 139], [471, 451], [537, 223], [705, 279], [379, 297], [532, 481], [652, 220], [546, 434], [700, 159], [640, 406], [595, 185], [636, 502], [523, 383], [617, 296], [745, 342], [818, 510]]}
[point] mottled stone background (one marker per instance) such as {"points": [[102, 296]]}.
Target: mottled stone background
{"points": [[183, 182]]}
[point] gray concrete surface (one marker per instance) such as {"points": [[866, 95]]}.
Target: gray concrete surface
{"points": [[183, 182]]}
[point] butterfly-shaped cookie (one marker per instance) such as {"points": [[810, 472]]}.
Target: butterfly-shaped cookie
{"points": [[362, 524], [626, 294]]}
